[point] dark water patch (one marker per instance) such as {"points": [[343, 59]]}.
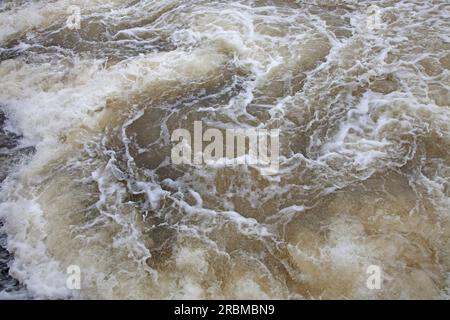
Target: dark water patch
{"points": [[7, 283], [10, 53]]}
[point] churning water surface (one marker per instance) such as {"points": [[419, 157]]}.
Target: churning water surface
{"points": [[360, 94]]}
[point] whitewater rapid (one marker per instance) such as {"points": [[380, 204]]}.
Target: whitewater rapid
{"points": [[361, 101]]}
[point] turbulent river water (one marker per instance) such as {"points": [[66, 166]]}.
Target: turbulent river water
{"points": [[359, 93]]}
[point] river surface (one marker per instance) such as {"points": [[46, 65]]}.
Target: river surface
{"points": [[359, 91]]}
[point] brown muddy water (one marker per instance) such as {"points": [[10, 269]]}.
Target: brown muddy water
{"points": [[359, 93]]}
